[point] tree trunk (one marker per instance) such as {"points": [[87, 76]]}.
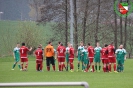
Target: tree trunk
{"points": [[66, 23], [84, 21], [115, 32], [125, 32], [97, 20], [121, 37], [75, 25]]}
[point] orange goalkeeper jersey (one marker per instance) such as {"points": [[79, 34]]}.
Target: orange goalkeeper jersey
{"points": [[49, 51]]}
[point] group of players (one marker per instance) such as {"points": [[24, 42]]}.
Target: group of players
{"points": [[87, 57]]}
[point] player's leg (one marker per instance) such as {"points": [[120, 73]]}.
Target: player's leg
{"points": [[19, 66], [67, 62], [122, 65], [14, 65], [22, 63], [114, 64], [59, 63], [41, 65], [85, 65], [71, 65], [118, 65], [96, 61], [26, 63], [79, 59], [48, 63], [82, 62], [110, 63], [99, 61], [63, 62], [106, 62], [53, 63]]}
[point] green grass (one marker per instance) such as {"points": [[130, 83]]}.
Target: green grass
{"points": [[95, 80]]}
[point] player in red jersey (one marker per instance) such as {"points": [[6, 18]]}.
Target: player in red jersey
{"points": [[104, 58], [111, 57], [61, 56], [90, 56], [59, 43], [23, 55], [39, 58], [71, 58]]}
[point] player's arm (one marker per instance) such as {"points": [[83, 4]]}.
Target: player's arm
{"points": [[30, 49], [13, 55], [34, 53], [44, 53], [125, 57]]}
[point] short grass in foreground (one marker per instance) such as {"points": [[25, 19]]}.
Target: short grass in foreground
{"points": [[95, 80]]}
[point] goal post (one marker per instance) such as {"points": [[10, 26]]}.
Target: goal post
{"points": [[31, 84]]}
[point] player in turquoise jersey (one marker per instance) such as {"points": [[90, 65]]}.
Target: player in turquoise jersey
{"points": [[97, 56], [67, 55], [124, 57], [85, 58], [120, 55], [79, 54], [16, 55]]}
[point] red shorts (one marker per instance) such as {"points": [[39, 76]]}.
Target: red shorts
{"points": [[24, 59], [105, 61], [70, 60], [112, 59], [38, 62], [61, 59], [91, 60]]}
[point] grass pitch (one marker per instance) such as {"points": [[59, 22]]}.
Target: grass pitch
{"points": [[95, 80]]}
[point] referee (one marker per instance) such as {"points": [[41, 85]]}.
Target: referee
{"points": [[49, 54]]}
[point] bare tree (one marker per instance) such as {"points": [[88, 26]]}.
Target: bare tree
{"points": [[75, 25], [97, 21], [84, 20], [66, 21]]}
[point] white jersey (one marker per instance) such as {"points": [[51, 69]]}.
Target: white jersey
{"points": [[67, 49]]}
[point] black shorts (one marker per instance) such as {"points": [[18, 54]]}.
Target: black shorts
{"points": [[50, 60]]}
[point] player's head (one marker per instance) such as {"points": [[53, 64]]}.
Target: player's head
{"points": [[85, 47], [89, 44], [71, 45], [121, 46], [18, 45], [61, 44], [111, 43], [68, 44], [39, 46], [50, 43], [81, 43], [98, 44], [23, 44], [105, 45]]}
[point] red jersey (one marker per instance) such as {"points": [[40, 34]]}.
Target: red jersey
{"points": [[61, 51], [90, 52], [71, 53], [111, 52], [23, 52], [104, 53], [39, 54]]}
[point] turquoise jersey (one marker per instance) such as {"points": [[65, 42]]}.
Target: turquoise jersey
{"points": [[120, 54], [85, 56], [97, 55], [97, 51], [16, 53], [80, 48], [67, 54]]}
